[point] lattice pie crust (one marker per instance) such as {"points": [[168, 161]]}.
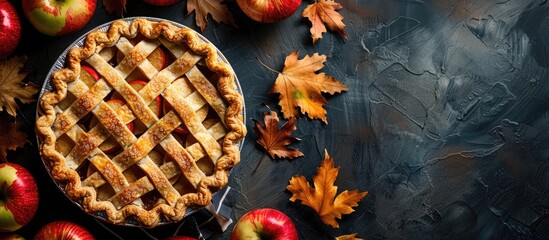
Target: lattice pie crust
{"points": [[143, 123]]}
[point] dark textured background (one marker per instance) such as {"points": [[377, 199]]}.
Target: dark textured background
{"points": [[445, 123]]}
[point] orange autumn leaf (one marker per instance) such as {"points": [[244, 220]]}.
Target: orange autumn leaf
{"points": [[116, 6], [220, 13], [299, 85], [10, 137], [275, 140], [321, 13], [12, 88], [322, 198], [348, 237]]}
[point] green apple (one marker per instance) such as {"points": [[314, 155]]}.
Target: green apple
{"points": [[10, 27], [264, 223], [58, 17], [11, 236], [63, 230], [18, 197], [268, 11]]}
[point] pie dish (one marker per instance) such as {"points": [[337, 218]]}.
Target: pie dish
{"points": [[142, 123]]}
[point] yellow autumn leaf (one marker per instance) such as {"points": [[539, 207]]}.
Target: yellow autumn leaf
{"points": [[117, 7], [348, 237], [220, 13], [322, 198], [10, 136], [323, 13], [299, 85], [11, 86], [274, 140]]}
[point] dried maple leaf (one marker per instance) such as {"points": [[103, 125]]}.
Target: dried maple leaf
{"points": [[116, 6], [324, 12], [321, 197], [220, 12], [10, 137], [300, 86], [348, 237], [275, 140], [11, 86]]}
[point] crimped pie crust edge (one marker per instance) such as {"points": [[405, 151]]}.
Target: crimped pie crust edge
{"points": [[87, 195]]}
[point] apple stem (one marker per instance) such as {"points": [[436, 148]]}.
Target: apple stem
{"points": [[259, 163], [267, 67]]}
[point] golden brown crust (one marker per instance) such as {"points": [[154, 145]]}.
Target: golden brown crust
{"points": [[51, 124]]}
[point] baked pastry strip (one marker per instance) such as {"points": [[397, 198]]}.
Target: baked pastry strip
{"points": [[201, 83], [116, 127], [86, 144], [214, 156], [136, 153], [95, 180], [115, 181], [127, 66], [124, 46], [208, 91], [217, 131], [193, 124], [232, 120], [85, 103], [180, 154], [127, 195], [133, 154], [111, 172]]}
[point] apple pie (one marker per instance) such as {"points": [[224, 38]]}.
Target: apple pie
{"points": [[143, 122]]}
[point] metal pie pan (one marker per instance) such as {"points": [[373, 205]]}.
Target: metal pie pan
{"points": [[60, 63]]}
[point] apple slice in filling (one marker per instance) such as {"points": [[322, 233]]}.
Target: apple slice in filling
{"points": [[158, 59], [88, 75]]}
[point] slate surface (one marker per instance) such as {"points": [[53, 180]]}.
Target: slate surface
{"points": [[445, 123]]}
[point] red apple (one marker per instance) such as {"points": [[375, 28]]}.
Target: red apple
{"points": [[58, 17], [268, 11], [18, 197], [10, 29], [180, 238], [12, 236], [161, 2], [63, 230], [264, 223]]}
